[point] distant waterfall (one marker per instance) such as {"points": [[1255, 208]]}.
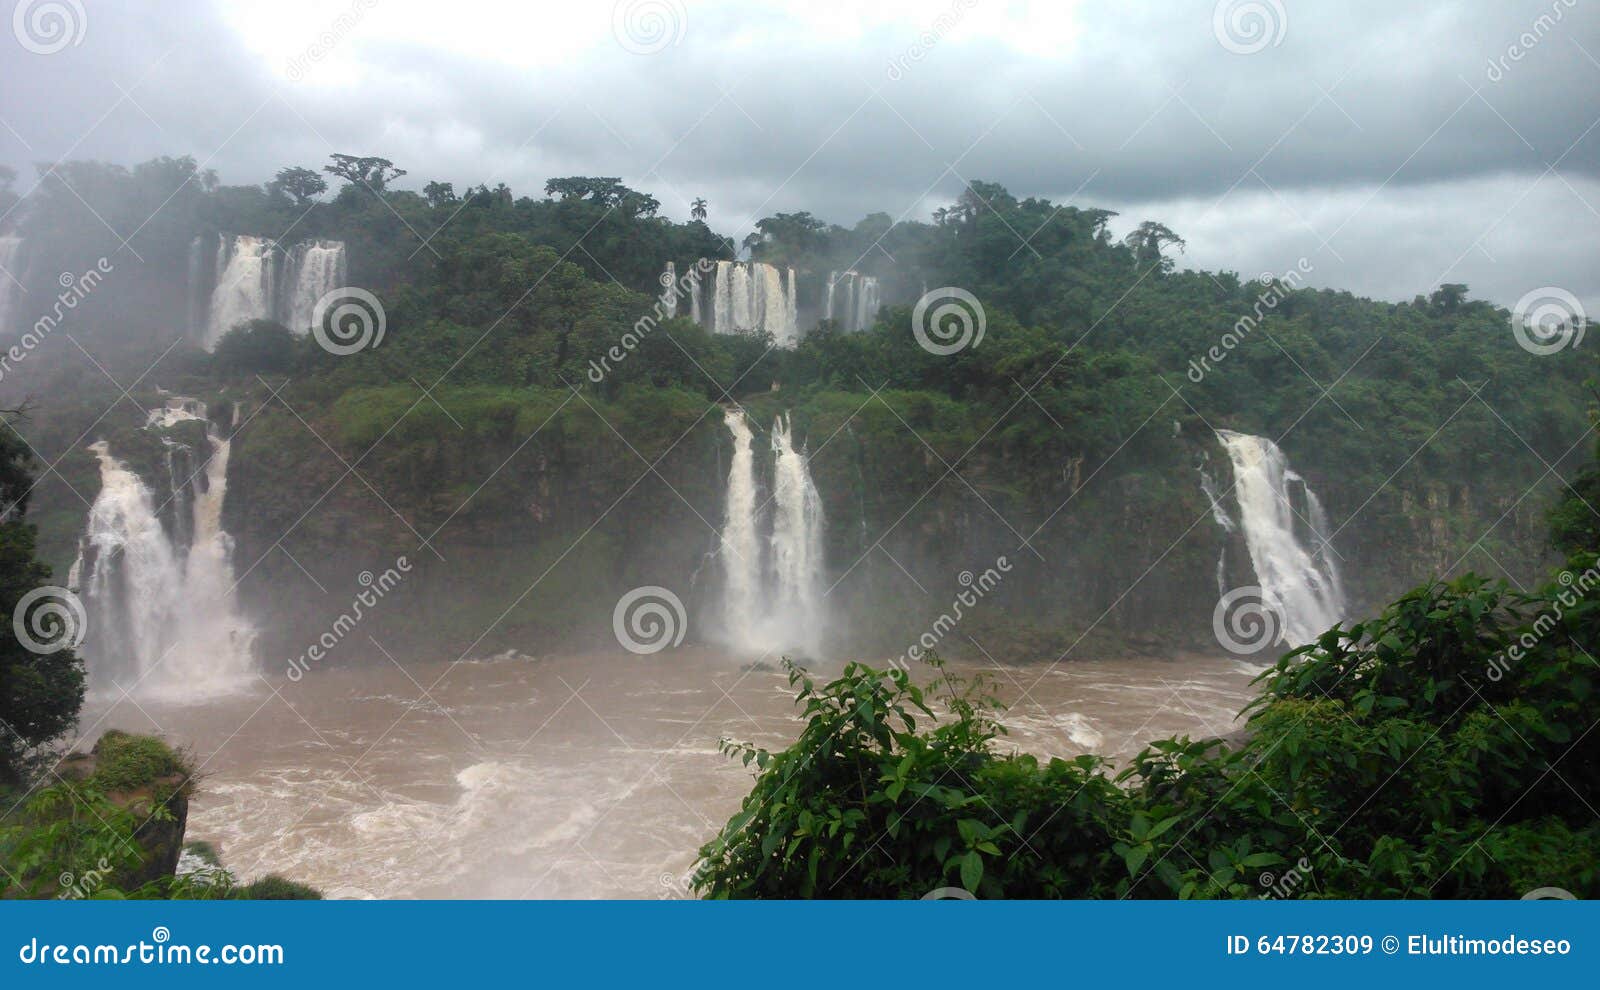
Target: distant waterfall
{"points": [[10, 281], [318, 268], [852, 300], [773, 587], [244, 291], [796, 530], [740, 547], [162, 616], [1286, 531], [744, 296], [255, 278]]}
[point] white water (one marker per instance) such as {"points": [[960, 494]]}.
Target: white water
{"points": [[747, 296], [163, 621], [10, 280], [852, 300], [244, 289], [1298, 578], [256, 279], [772, 591], [796, 539], [740, 549], [319, 268]]}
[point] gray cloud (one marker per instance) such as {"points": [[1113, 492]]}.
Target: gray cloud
{"points": [[1395, 144]]}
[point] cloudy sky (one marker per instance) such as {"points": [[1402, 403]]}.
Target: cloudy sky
{"points": [[1392, 145]]}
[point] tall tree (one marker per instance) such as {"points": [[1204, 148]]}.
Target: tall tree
{"points": [[371, 171], [697, 209], [301, 184]]}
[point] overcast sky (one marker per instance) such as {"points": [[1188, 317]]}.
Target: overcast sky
{"points": [[1392, 145]]}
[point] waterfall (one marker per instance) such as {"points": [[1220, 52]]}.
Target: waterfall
{"points": [[796, 534], [10, 280], [256, 279], [1294, 565], [740, 549], [319, 268], [244, 290], [162, 616], [852, 300], [772, 592], [746, 296], [669, 291]]}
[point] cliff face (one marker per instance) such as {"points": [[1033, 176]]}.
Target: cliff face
{"points": [[522, 520]]}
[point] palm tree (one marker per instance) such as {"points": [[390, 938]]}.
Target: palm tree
{"points": [[697, 209]]}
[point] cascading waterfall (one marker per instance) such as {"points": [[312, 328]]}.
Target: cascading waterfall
{"points": [[852, 300], [772, 592], [319, 268], [740, 547], [796, 531], [244, 290], [1294, 565], [10, 280], [745, 296], [255, 278], [163, 620]]}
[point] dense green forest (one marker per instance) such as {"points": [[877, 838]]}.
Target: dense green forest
{"points": [[1068, 437]]}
